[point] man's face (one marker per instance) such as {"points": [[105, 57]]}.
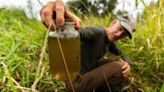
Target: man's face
{"points": [[117, 31]]}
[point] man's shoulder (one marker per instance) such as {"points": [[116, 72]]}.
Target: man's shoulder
{"points": [[93, 29], [92, 32], [99, 28]]}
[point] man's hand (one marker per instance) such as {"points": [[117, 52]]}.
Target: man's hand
{"points": [[46, 14], [59, 10], [74, 18], [55, 13], [125, 68]]}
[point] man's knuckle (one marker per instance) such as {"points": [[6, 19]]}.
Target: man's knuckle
{"points": [[58, 9], [46, 13]]}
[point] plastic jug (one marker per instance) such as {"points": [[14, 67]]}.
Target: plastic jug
{"points": [[64, 52]]}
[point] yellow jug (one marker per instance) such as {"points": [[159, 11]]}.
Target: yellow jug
{"points": [[64, 52]]}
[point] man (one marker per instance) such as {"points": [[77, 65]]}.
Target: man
{"points": [[98, 73]]}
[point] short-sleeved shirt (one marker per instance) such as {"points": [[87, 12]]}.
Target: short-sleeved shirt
{"points": [[94, 44]]}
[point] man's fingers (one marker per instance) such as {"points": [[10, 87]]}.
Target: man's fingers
{"points": [[42, 15], [77, 24], [126, 70], [70, 15], [48, 20], [58, 12], [126, 75], [46, 14], [124, 66], [59, 9], [47, 17]]}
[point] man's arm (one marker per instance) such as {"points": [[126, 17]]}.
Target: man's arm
{"points": [[113, 48], [124, 59]]}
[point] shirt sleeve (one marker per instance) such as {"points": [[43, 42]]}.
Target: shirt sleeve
{"points": [[91, 33], [113, 48]]}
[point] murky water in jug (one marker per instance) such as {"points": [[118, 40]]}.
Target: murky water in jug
{"points": [[70, 44]]}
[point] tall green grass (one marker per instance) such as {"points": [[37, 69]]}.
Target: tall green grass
{"points": [[21, 40], [145, 50]]}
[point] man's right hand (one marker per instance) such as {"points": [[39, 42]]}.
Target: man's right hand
{"points": [[58, 11], [47, 14]]}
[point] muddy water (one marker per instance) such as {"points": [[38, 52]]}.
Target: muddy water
{"points": [[71, 50]]}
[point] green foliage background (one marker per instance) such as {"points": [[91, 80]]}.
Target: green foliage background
{"points": [[87, 7], [21, 40]]}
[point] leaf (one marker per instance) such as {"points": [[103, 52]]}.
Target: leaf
{"points": [[143, 3], [162, 88], [14, 46], [136, 3]]}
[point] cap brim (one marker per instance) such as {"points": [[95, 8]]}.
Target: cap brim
{"points": [[127, 27]]}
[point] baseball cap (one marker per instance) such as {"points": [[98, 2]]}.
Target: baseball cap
{"points": [[128, 23]]}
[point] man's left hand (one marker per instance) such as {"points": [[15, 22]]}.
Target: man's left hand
{"points": [[125, 68]]}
